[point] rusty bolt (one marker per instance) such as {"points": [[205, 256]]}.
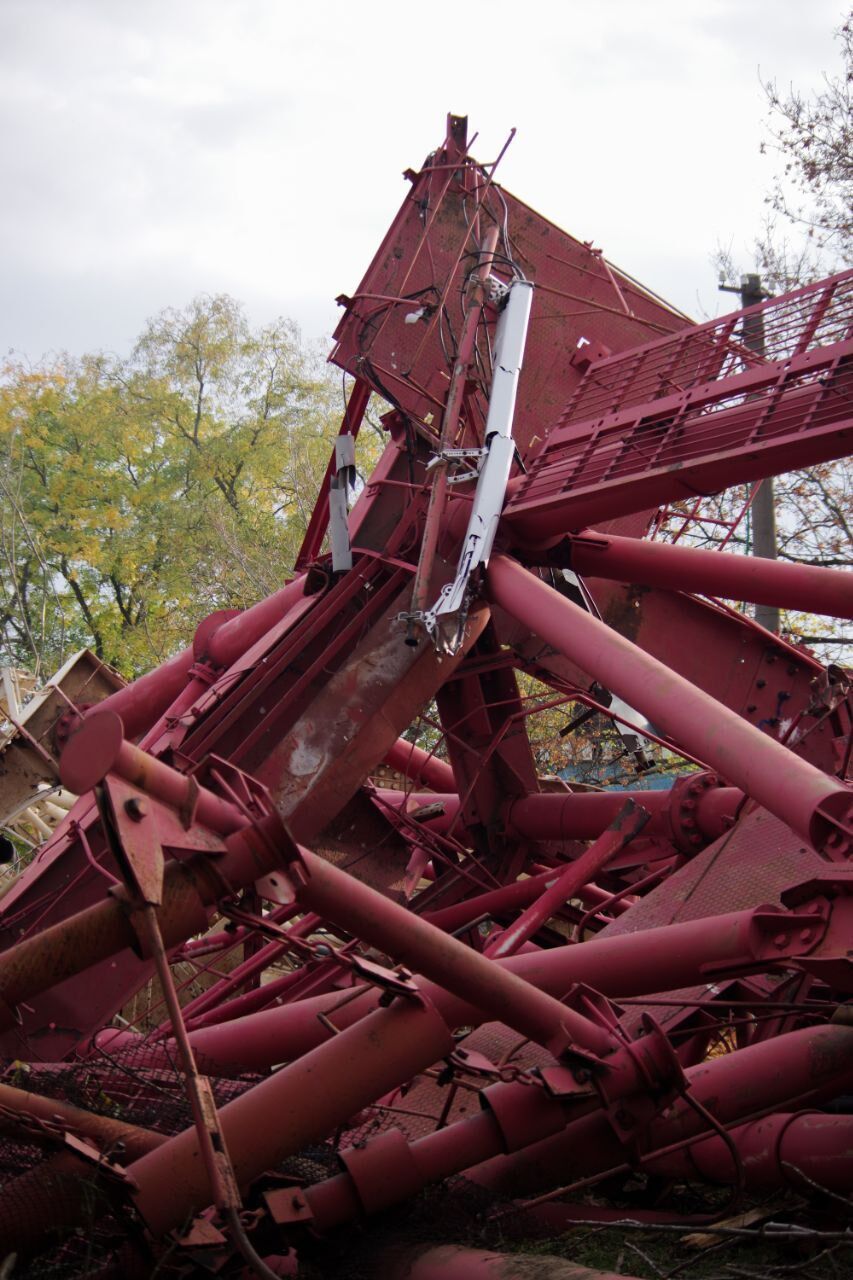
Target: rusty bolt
{"points": [[135, 808], [780, 939]]}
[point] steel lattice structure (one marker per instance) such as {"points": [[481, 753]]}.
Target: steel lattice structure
{"points": [[478, 970]]}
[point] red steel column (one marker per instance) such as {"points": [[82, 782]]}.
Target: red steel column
{"points": [[300, 1104], [628, 823], [714, 573], [813, 1064], [444, 960], [420, 766], [625, 965], [774, 1152], [817, 807]]}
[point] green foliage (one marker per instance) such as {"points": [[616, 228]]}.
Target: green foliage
{"points": [[141, 494]]}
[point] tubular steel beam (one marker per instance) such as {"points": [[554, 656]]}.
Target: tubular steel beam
{"points": [[713, 573], [448, 963], [795, 1150], [628, 823], [625, 965], [533, 1138], [510, 897], [219, 640], [300, 1104], [565, 816], [420, 766], [818, 807], [797, 1070]]}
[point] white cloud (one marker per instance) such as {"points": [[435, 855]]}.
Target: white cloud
{"points": [[152, 150]]}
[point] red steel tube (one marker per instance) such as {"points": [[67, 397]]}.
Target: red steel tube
{"points": [[300, 1104], [510, 897], [811, 1064], [714, 573], [141, 703], [190, 888], [99, 747], [627, 823], [646, 963], [444, 960], [261, 997], [106, 1132], [799, 1069], [811, 802], [245, 971], [775, 1151], [58, 1191], [573, 816], [582, 815], [231, 640], [420, 766]]}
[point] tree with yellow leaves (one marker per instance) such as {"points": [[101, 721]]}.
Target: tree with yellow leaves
{"points": [[141, 494]]}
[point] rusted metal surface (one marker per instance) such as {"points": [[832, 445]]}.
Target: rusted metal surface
{"points": [[363, 992]]}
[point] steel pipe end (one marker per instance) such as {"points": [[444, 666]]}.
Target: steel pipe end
{"points": [[831, 830], [92, 751]]}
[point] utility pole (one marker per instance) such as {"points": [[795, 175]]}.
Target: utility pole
{"points": [[764, 505]]}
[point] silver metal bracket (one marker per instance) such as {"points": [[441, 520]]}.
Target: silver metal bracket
{"points": [[445, 621], [339, 487]]}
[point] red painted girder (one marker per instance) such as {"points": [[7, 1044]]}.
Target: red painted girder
{"points": [[817, 806], [787, 414], [713, 573], [300, 1104], [625, 965], [628, 823], [775, 1151], [791, 1071], [520, 1140], [583, 816]]}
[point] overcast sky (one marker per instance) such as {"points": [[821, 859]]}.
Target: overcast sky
{"points": [[155, 149]]}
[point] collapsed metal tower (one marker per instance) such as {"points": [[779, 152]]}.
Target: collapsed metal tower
{"points": [[484, 971]]}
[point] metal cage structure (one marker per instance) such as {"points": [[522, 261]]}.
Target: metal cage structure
{"points": [[478, 977]]}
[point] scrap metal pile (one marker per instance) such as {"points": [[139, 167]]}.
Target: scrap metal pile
{"points": [[363, 991]]}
